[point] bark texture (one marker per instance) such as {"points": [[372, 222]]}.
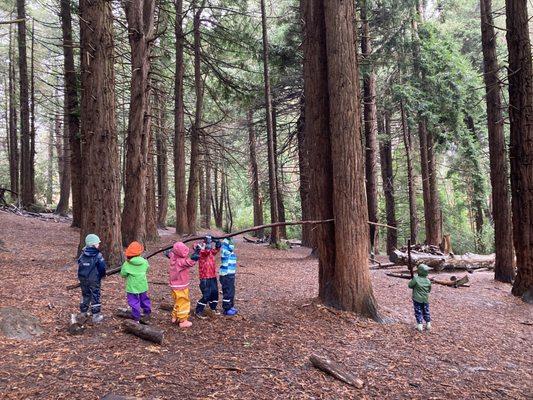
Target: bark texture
{"points": [[254, 174], [521, 146], [303, 164], [387, 175], [501, 205], [101, 210]]}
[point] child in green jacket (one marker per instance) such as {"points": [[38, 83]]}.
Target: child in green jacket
{"points": [[134, 270], [421, 286]]}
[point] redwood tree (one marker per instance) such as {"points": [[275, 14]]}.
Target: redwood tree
{"points": [[101, 211], [521, 146], [140, 18], [387, 175], [333, 126], [254, 173]]}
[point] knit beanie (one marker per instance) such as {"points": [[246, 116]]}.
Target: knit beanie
{"points": [[91, 240], [134, 249]]}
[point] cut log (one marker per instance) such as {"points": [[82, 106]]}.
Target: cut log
{"points": [[77, 323], [468, 261], [145, 332], [336, 370], [166, 306], [123, 313]]}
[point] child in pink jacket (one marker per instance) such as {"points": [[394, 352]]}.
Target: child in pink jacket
{"points": [[179, 278]]}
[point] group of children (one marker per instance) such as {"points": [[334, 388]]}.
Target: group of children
{"points": [[92, 267]]}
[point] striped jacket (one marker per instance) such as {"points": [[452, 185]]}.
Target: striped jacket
{"points": [[228, 259]]}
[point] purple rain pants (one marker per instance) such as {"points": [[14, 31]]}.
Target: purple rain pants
{"points": [[138, 301]]}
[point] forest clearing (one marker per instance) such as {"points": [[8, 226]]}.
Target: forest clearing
{"points": [[481, 346], [266, 199]]}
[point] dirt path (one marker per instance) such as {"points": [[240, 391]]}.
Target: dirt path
{"points": [[479, 347]]}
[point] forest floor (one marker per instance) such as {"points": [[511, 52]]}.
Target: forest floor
{"points": [[480, 347]]}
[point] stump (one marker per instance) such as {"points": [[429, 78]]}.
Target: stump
{"points": [[19, 324], [77, 323], [145, 332]]}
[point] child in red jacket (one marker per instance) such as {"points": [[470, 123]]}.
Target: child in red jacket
{"points": [[179, 278], [208, 277]]}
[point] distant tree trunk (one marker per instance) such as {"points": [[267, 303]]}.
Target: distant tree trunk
{"points": [[387, 176], [273, 190], [208, 189], [370, 124], [151, 202], [101, 210], [521, 146], [499, 170], [140, 18], [62, 140], [407, 142], [13, 139], [229, 213], [26, 177], [303, 163], [333, 126], [50, 164], [279, 191], [201, 187], [71, 118], [162, 164], [217, 201], [427, 151], [32, 109], [254, 174], [192, 193], [179, 125]]}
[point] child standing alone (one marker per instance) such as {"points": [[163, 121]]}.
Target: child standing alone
{"points": [[226, 273], [179, 278], [421, 286], [91, 270], [135, 270]]}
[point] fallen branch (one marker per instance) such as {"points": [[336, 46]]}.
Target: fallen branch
{"points": [[451, 283], [336, 370], [145, 332], [228, 368]]}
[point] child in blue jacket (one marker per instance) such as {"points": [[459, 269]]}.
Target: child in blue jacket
{"points": [[226, 274], [91, 270]]}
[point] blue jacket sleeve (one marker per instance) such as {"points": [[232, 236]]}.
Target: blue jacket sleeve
{"points": [[101, 266]]}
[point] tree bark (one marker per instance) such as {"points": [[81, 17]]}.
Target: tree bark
{"points": [[501, 206], [140, 18], [71, 118], [101, 210], [337, 174], [50, 163], [201, 186], [370, 126], [179, 125], [303, 164], [521, 145], [407, 142], [151, 202], [254, 173], [14, 158], [208, 189], [62, 138], [387, 176], [192, 193], [279, 191], [26, 177], [162, 164], [273, 190]]}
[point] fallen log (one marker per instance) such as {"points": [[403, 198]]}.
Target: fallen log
{"points": [[335, 370], [145, 332], [166, 306], [77, 323], [468, 261], [453, 282]]}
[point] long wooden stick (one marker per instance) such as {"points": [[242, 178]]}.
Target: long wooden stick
{"points": [[15, 21]]}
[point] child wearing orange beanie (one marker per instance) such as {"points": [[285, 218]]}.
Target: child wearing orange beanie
{"points": [[135, 270]]}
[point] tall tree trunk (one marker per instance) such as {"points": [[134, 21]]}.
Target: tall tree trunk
{"points": [[303, 163], [192, 193], [407, 142], [208, 190], [62, 140], [279, 190], [71, 118], [151, 202], [218, 201], [337, 159], [387, 176], [254, 174], [140, 18], [50, 163], [370, 125], [26, 177], [32, 108], [179, 125], [427, 152], [521, 146], [201, 187], [162, 163], [13, 139], [501, 206], [273, 190], [101, 210]]}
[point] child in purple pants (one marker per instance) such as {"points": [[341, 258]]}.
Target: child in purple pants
{"points": [[134, 270]]}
